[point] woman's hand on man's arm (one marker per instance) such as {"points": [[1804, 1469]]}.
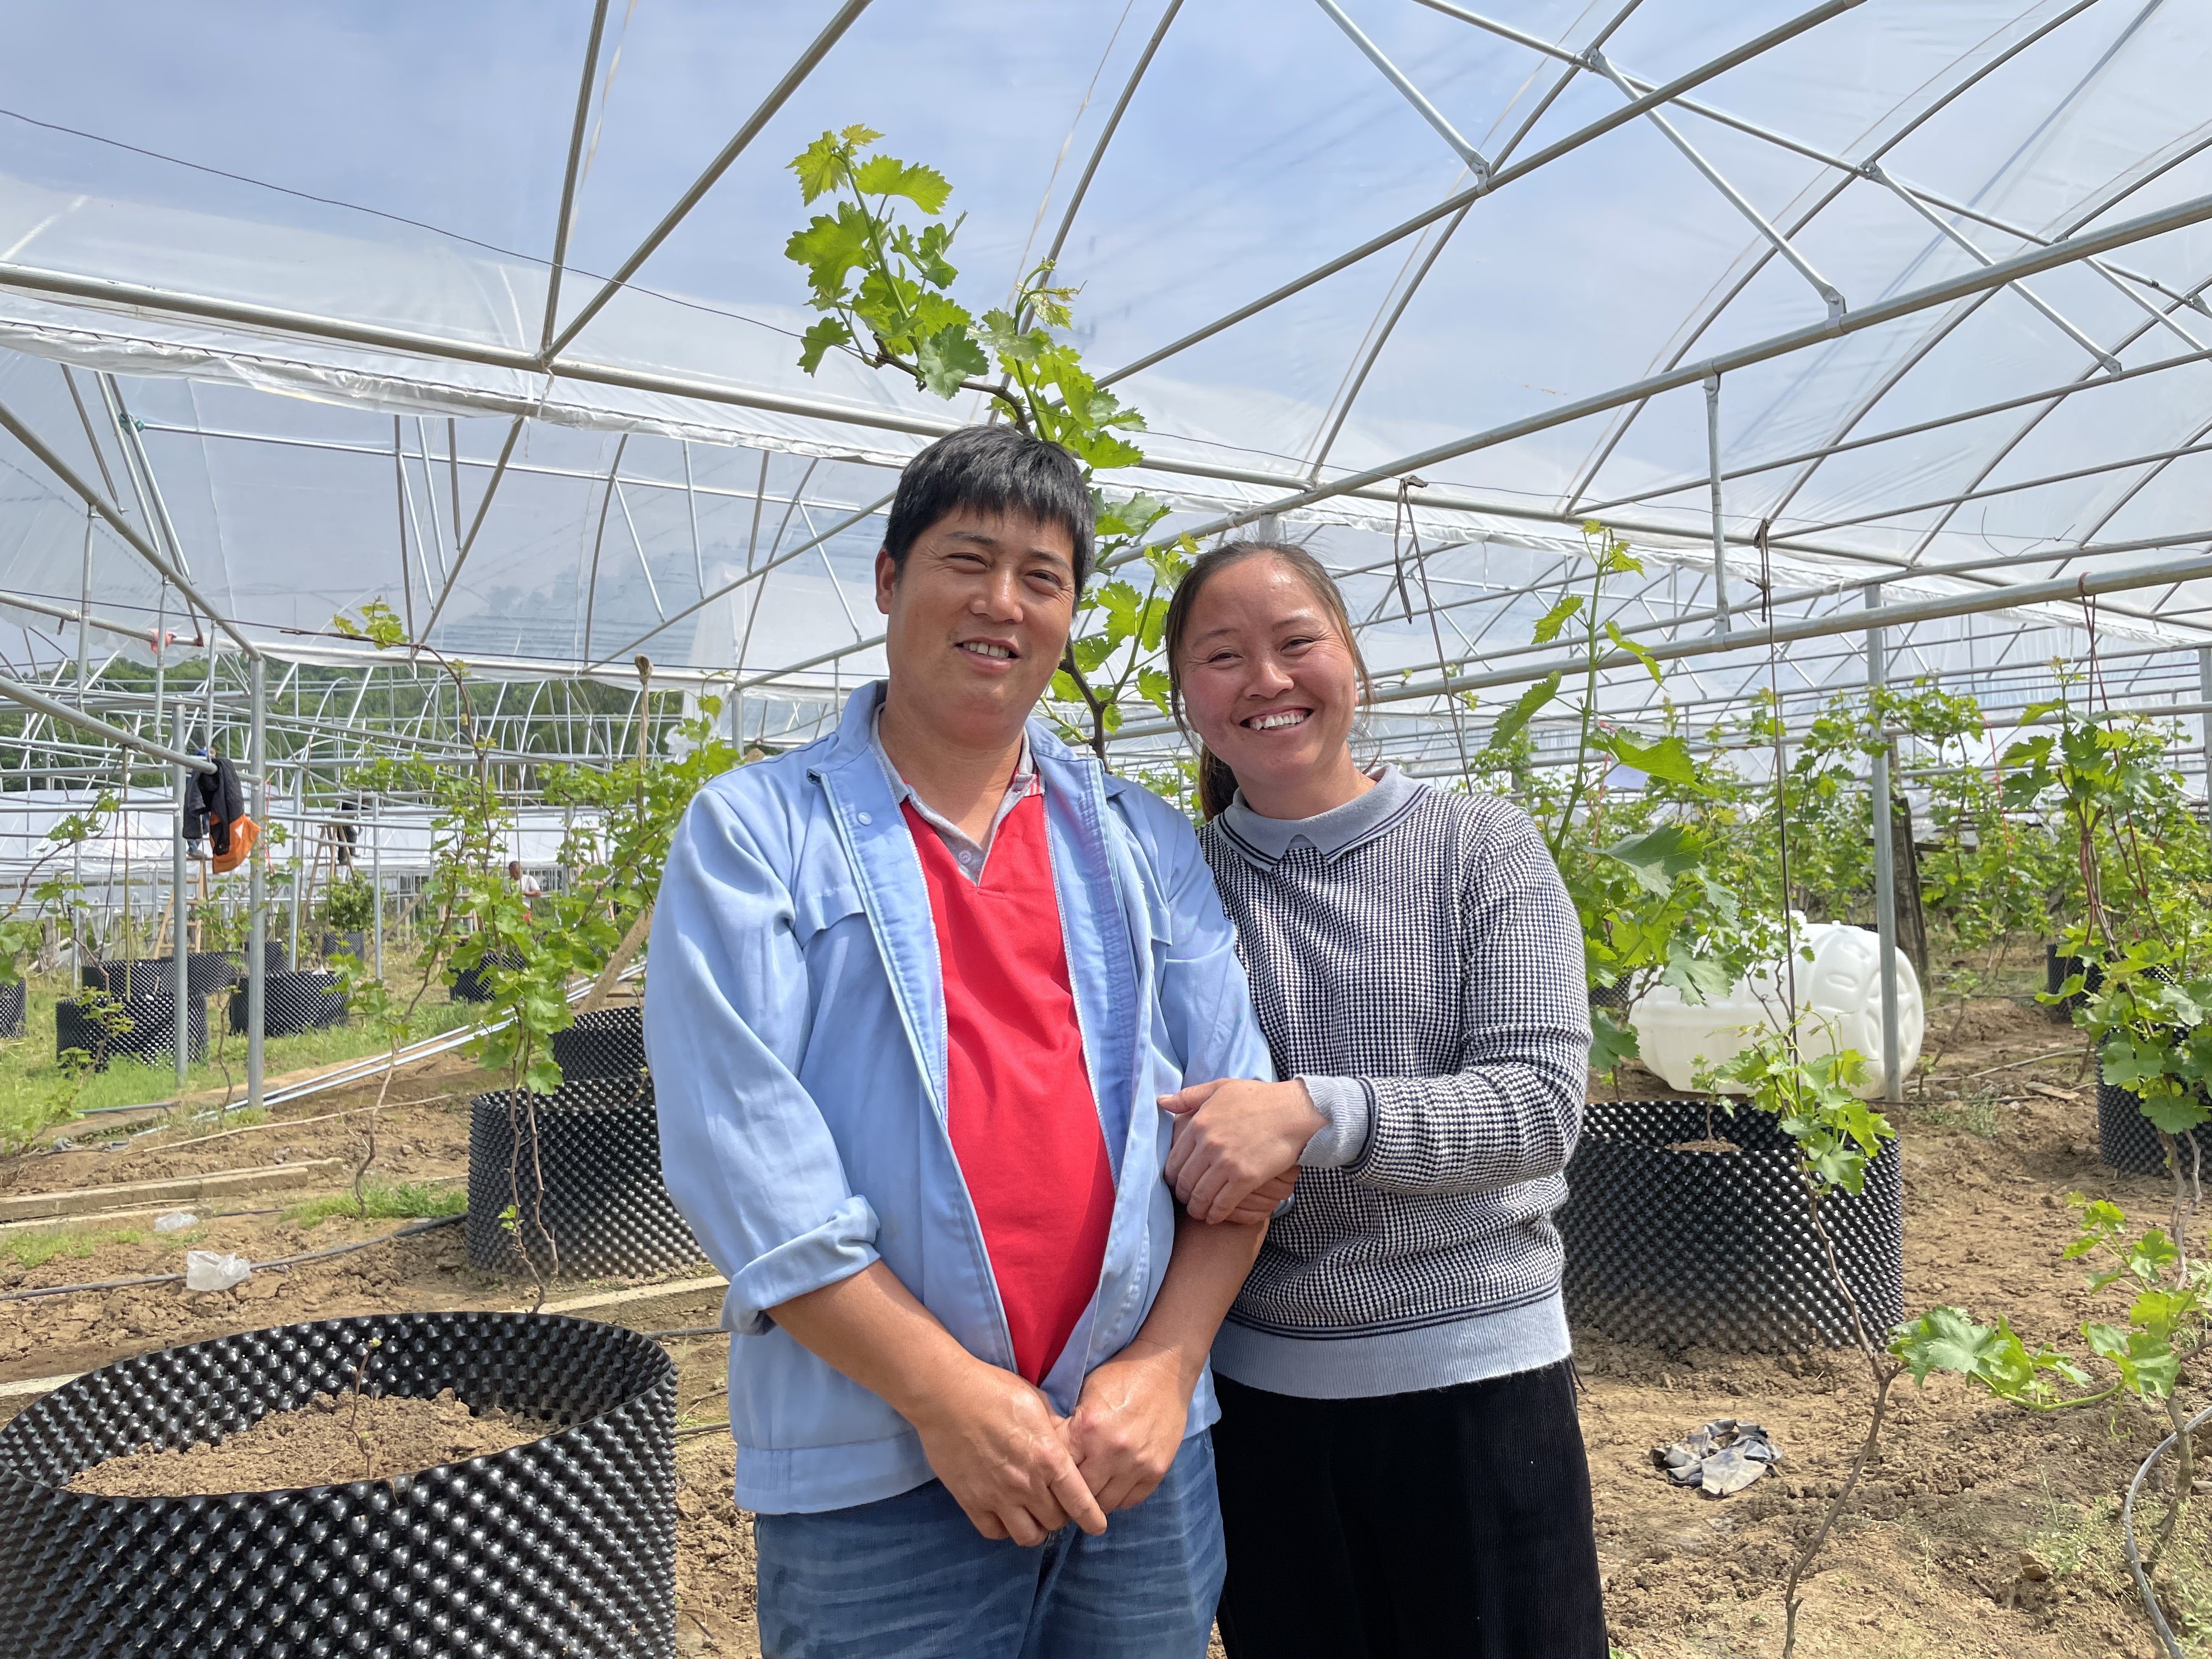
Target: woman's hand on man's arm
{"points": [[1237, 1135]]}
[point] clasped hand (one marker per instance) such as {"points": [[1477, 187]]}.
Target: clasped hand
{"points": [[1236, 1146], [1019, 1470]]}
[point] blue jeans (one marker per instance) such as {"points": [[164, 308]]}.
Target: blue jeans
{"points": [[910, 1575]]}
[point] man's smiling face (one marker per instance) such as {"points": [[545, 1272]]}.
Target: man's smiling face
{"points": [[979, 615]]}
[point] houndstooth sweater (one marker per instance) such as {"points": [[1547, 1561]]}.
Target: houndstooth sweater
{"points": [[1415, 959]]}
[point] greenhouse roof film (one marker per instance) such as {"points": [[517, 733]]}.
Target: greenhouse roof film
{"points": [[486, 313]]}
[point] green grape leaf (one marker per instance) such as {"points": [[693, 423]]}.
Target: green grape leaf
{"points": [[2147, 1365], [830, 247], [820, 166], [949, 358], [1524, 709], [2176, 1113], [1699, 978], [1658, 857], [1668, 760], [1637, 651], [1613, 1039], [1549, 625], [924, 187], [1947, 1339], [824, 335]]}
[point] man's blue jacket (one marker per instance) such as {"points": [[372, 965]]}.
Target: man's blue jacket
{"points": [[794, 1019]]}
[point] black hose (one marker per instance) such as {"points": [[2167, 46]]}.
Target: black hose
{"points": [[407, 1231], [686, 1330], [2128, 1536]]}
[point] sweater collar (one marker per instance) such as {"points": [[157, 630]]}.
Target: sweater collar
{"points": [[1331, 834]]}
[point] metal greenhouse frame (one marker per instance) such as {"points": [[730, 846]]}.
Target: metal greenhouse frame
{"points": [[1906, 372]]}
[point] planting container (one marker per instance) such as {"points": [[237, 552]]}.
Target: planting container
{"points": [[2057, 968], [293, 1003], [14, 1021], [563, 1546], [353, 943], [469, 984], [152, 1036], [604, 1205], [605, 1042], [206, 972], [2126, 1141], [1716, 1248]]}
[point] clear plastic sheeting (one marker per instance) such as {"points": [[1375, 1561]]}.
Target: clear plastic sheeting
{"points": [[279, 288]]}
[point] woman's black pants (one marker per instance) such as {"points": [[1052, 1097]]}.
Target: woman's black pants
{"points": [[1449, 1523]]}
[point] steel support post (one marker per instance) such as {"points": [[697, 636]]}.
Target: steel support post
{"points": [[84, 613], [257, 904], [2204, 695], [299, 853], [1885, 872], [376, 874], [1720, 536], [180, 981]]}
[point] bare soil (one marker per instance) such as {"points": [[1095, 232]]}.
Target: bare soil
{"points": [[1981, 1530], [415, 1142], [332, 1439]]}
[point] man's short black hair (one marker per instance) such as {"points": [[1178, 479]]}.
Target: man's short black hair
{"points": [[991, 470]]}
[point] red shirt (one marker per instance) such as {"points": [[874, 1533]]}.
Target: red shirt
{"points": [[1018, 1105]]}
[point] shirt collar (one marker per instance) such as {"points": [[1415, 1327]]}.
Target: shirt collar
{"points": [[1019, 788], [1330, 833]]}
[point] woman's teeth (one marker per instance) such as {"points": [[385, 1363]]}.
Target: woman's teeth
{"points": [[1272, 722]]}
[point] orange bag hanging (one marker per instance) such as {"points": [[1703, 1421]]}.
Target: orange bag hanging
{"points": [[244, 832]]}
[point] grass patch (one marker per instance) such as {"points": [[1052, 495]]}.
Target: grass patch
{"points": [[28, 1070], [1976, 1113], [405, 1200], [36, 1249]]}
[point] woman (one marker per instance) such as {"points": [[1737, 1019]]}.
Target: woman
{"points": [[1401, 1467]]}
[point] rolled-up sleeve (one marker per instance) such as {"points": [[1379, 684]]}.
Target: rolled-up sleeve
{"points": [[743, 1148]]}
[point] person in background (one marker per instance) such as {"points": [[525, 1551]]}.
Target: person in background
{"points": [[1401, 1469], [524, 882], [916, 990]]}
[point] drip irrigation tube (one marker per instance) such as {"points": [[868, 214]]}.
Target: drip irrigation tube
{"points": [[2127, 1537], [407, 1231]]}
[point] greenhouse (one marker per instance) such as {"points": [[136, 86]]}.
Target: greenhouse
{"points": [[1768, 445]]}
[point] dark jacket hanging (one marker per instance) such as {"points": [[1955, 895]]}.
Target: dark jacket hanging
{"points": [[215, 800]]}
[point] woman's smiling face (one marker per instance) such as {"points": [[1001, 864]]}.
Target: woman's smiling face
{"points": [[1269, 684]]}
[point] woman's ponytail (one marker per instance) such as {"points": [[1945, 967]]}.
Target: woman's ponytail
{"points": [[1217, 784]]}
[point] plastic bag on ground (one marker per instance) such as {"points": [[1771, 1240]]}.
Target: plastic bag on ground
{"points": [[209, 1270], [1720, 1459], [175, 1221]]}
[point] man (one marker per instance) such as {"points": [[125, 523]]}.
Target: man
{"points": [[915, 990]]}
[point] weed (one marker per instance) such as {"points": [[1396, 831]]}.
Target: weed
{"points": [[1975, 1113], [2071, 1540], [400, 1201]]}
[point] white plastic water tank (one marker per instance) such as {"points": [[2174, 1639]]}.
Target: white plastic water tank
{"points": [[1840, 989]]}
